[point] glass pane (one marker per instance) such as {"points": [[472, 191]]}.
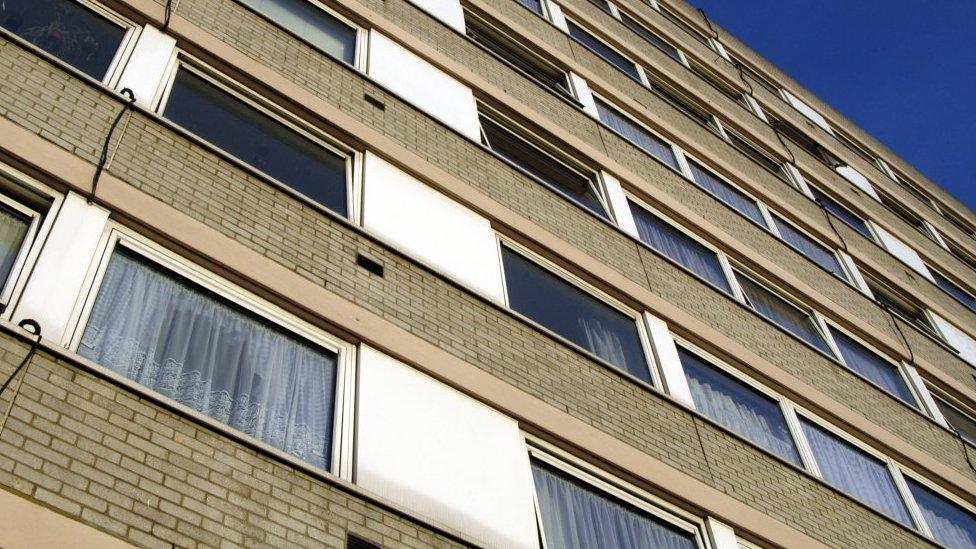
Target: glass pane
{"points": [[650, 37], [576, 516], [179, 340], [863, 361], [67, 30], [727, 193], [951, 525], [312, 24], [13, 229], [856, 473], [606, 52], [258, 140], [955, 291], [783, 313], [962, 423], [574, 314], [738, 407], [680, 247], [571, 183], [818, 253], [644, 139], [534, 5], [842, 213], [546, 74]]}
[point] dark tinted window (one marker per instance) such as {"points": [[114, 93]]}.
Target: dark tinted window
{"points": [[534, 5], [312, 24], [954, 290], [963, 424], [817, 252], [67, 30], [13, 229], [606, 52], [644, 139], [574, 314], [258, 140]]}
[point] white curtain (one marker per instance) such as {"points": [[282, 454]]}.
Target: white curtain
{"points": [[604, 342], [726, 193], [951, 525], [818, 253], [190, 346], [783, 313], [863, 361], [13, 227], [642, 138], [856, 473], [577, 517]]}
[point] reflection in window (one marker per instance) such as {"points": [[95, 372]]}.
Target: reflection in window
{"points": [[574, 314], [534, 5], [67, 30], [577, 516], [13, 229], [738, 407], [644, 139], [863, 361], [954, 290], [783, 313], [680, 247], [951, 525], [735, 198], [608, 54], [577, 186], [258, 139], [863, 477], [179, 340], [312, 24], [817, 252]]}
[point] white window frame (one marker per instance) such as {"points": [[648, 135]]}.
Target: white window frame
{"points": [[908, 473], [612, 487], [675, 150], [116, 236], [587, 288], [354, 157], [848, 276]]}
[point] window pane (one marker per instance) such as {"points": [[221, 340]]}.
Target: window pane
{"points": [[569, 182], [503, 47], [783, 313], [726, 193], [312, 24], [606, 52], [758, 156], [818, 253], [962, 423], [951, 525], [860, 359], [856, 473], [67, 30], [191, 346], [649, 36], [534, 5], [842, 213], [574, 314], [644, 139], [737, 406], [680, 247], [13, 229], [258, 140], [576, 516], [955, 291]]}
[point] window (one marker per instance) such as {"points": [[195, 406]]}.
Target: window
{"points": [[680, 23], [760, 157], [178, 339], [574, 314], [905, 215], [782, 313], [960, 254], [708, 76], [608, 54], [735, 198], [961, 422], [871, 366], [577, 186], [756, 77], [650, 37], [520, 58], [807, 143], [951, 524], [912, 190], [815, 251], [685, 106], [652, 145], [855, 472], [903, 306], [842, 213], [17, 228], [312, 23], [74, 33], [576, 515], [958, 222], [854, 147], [258, 139], [534, 5], [680, 247], [953, 289], [740, 408]]}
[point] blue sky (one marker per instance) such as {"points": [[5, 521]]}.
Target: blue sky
{"points": [[900, 70]]}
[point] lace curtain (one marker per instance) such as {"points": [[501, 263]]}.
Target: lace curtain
{"points": [[951, 525], [576, 517], [13, 228], [190, 346]]}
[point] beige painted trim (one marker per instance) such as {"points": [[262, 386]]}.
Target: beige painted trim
{"points": [[29, 525]]}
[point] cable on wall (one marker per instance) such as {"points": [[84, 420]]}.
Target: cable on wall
{"points": [[30, 325], [130, 100], [167, 13], [708, 22]]}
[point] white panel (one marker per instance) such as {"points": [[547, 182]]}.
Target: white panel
{"points": [[935, 234], [721, 535], [619, 205], [448, 11], [666, 355], [453, 460], [146, 68], [61, 267], [425, 86], [957, 338], [856, 277], [584, 95], [718, 47], [902, 251], [556, 15], [923, 392], [858, 180], [430, 226], [807, 111], [798, 180]]}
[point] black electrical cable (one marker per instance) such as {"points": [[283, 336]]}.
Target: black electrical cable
{"points": [[830, 221], [108, 139], [782, 142], [894, 320], [32, 326], [742, 76], [166, 15], [709, 23]]}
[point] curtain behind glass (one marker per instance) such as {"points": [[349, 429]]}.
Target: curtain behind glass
{"points": [[863, 361], [679, 247], [606, 52], [856, 473], [13, 229], [738, 407], [783, 313], [186, 344], [951, 525], [726, 193], [578, 517], [312, 24], [639, 136], [821, 255]]}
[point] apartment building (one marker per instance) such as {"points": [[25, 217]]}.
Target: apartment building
{"points": [[438, 273]]}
